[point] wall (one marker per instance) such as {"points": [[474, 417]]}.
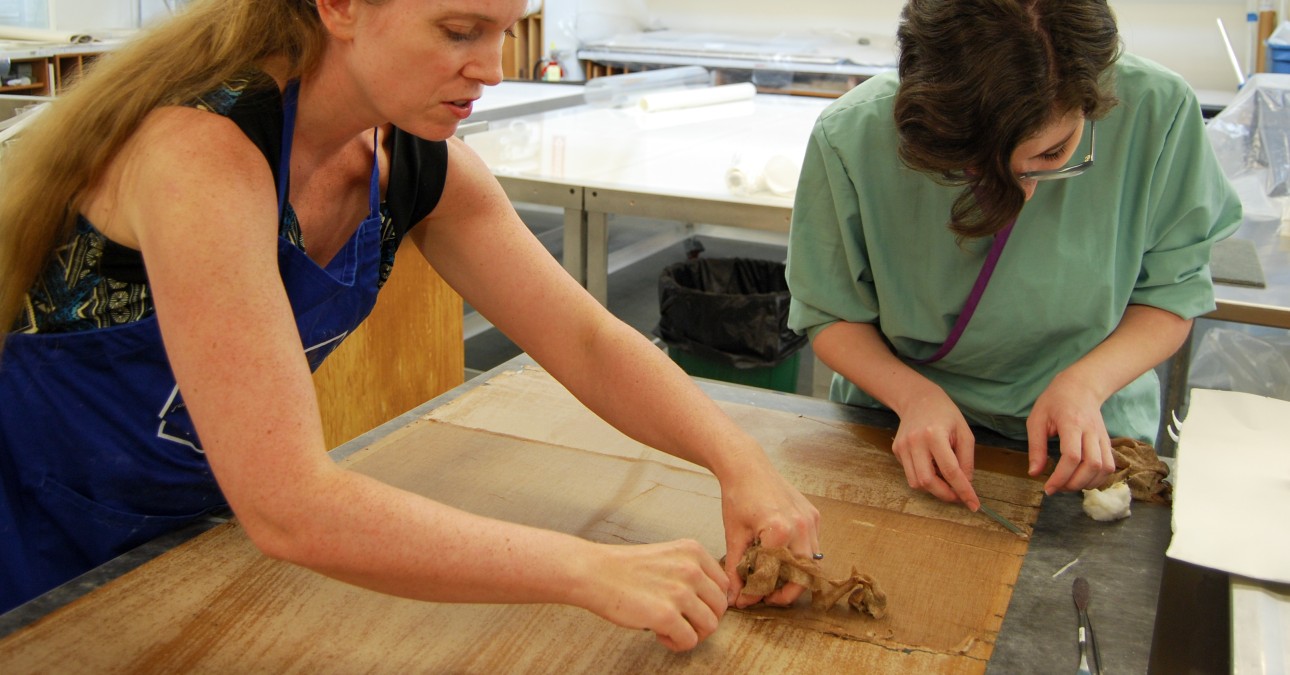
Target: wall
{"points": [[1180, 34], [87, 15], [91, 15]]}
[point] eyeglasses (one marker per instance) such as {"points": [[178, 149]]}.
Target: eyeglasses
{"points": [[1066, 171]]}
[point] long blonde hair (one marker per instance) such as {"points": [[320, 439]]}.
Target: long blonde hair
{"points": [[67, 149]]}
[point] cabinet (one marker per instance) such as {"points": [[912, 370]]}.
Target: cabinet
{"points": [[68, 67], [34, 69]]}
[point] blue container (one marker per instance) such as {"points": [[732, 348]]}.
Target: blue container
{"points": [[1280, 59]]}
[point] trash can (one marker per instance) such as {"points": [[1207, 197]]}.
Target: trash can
{"points": [[727, 319]]}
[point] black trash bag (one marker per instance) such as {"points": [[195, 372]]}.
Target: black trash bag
{"points": [[730, 310]]}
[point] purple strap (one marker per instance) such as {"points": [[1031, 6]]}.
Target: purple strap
{"points": [[978, 289]]}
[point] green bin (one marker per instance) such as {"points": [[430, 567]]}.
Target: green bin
{"points": [[782, 377], [726, 319]]}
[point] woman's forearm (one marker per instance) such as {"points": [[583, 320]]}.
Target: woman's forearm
{"points": [[857, 352], [1145, 337]]}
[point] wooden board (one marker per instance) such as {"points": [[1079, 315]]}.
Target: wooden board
{"points": [[217, 605], [406, 352]]}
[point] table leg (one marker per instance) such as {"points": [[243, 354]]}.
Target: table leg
{"points": [[597, 256], [575, 244], [1175, 395]]}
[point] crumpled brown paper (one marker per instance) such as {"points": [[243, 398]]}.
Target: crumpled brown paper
{"points": [[1137, 464], [767, 569]]}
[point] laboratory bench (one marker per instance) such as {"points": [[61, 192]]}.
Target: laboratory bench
{"points": [[964, 594], [817, 64]]}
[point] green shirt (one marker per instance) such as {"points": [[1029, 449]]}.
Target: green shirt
{"points": [[870, 244]]}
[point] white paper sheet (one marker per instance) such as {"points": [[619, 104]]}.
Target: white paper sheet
{"points": [[1232, 487]]}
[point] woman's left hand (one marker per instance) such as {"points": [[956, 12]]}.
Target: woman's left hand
{"points": [[1072, 413], [758, 505]]}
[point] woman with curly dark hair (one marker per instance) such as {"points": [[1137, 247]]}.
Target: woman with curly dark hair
{"points": [[1011, 232]]}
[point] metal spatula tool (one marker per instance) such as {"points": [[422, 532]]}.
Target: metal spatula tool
{"points": [[1003, 521], [1089, 662]]}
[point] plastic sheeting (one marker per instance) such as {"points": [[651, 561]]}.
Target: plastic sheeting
{"points": [[1251, 137], [1248, 359], [733, 310]]}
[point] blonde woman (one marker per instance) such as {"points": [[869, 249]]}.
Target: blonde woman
{"points": [[199, 221]]}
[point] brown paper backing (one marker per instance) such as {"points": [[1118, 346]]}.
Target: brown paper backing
{"points": [[216, 604]]}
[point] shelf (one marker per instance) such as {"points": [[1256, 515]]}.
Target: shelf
{"points": [[34, 86]]}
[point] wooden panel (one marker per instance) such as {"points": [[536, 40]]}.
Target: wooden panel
{"points": [[532, 27], [71, 66], [217, 605], [407, 352], [521, 53]]}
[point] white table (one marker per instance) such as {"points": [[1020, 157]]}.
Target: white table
{"points": [[672, 165], [596, 161]]}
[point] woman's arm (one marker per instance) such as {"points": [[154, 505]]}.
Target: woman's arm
{"points": [[478, 244], [198, 198], [933, 442], [1071, 406]]}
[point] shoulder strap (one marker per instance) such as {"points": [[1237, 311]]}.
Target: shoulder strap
{"points": [[978, 289]]}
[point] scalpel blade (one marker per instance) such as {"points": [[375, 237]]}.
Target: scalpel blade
{"points": [[1004, 522]]}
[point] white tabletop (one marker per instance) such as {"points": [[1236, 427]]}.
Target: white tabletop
{"points": [[687, 153], [682, 153]]}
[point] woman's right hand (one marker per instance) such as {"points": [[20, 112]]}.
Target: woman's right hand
{"points": [[936, 448], [675, 589], [933, 441]]}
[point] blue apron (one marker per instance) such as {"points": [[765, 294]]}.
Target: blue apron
{"points": [[97, 451]]}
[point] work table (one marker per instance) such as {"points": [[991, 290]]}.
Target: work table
{"points": [[513, 444]]}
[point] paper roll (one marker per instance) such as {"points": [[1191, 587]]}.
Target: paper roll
{"points": [[42, 35], [691, 98]]}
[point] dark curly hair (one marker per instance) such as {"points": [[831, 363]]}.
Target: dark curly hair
{"points": [[979, 77]]}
